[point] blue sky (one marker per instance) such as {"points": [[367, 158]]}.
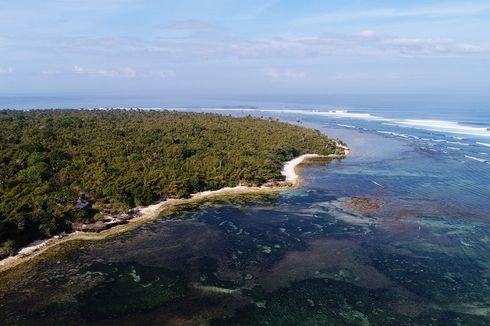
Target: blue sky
{"points": [[227, 47]]}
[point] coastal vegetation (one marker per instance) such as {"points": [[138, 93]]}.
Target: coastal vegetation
{"points": [[58, 167]]}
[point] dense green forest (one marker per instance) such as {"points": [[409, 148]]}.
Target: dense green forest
{"points": [[117, 159]]}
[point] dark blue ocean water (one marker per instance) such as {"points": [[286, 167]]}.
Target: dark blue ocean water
{"points": [[304, 256], [470, 108]]}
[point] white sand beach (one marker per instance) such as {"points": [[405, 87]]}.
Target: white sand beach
{"points": [[289, 169], [153, 211]]}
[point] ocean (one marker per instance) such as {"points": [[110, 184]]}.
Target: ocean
{"points": [[306, 256]]}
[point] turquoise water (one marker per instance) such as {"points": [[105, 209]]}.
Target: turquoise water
{"points": [[304, 256]]}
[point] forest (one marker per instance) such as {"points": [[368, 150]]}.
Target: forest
{"points": [[118, 159]]}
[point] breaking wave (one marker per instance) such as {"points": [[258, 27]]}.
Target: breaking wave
{"points": [[476, 158], [451, 127], [444, 126]]}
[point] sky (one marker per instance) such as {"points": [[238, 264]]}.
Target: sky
{"points": [[225, 47]]}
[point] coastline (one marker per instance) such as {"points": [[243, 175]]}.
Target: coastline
{"points": [[147, 213]]}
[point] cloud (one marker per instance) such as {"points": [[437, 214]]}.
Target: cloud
{"points": [[163, 73], [129, 72], [49, 73], [214, 48], [191, 49], [125, 72], [365, 43], [6, 70], [368, 33], [78, 69], [289, 75]]}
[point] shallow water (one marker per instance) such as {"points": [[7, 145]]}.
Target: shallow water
{"points": [[298, 257]]}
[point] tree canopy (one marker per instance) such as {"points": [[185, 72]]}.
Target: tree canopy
{"points": [[117, 159]]}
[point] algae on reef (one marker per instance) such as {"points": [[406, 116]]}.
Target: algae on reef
{"points": [[128, 288]]}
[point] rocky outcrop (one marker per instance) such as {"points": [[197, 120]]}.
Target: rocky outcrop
{"points": [[362, 204], [105, 223], [275, 184]]}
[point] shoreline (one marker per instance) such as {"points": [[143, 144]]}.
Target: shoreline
{"points": [[147, 213]]}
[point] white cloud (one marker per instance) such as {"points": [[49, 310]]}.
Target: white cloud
{"points": [[368, 33], [215, 48], [6, 70], [163, 73], [364, 43], [289, 75], [125, 72], [78, 69], [129, 72], [49, 73]]}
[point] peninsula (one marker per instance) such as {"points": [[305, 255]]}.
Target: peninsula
{"points": [[63, 169]]}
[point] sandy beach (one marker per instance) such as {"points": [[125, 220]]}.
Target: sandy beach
{"points": [[150, 212], [289, 168]]}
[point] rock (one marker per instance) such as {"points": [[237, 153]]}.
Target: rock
{"points": [[261, 304], [274, 184], [81, 203], [266, 249], [362, 204], [248, 276]]}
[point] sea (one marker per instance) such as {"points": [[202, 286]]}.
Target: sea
{"points": [[417, 252]]}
